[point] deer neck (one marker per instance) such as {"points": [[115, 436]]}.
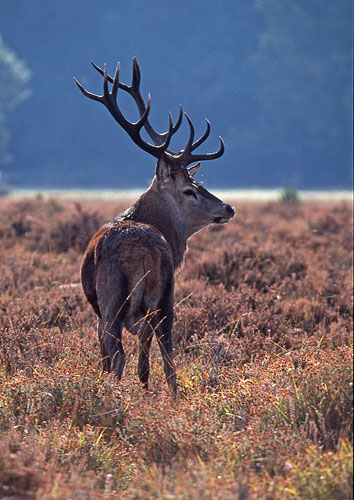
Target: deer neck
{"points": [[161, 212]]}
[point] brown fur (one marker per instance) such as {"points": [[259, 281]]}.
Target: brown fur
{"points": [[127, 269], [139, 257]]}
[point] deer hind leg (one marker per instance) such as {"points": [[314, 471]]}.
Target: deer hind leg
{"points": [[112, 345], [145, 338], [105, 356], [112, 292]]}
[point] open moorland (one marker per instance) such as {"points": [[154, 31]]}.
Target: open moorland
{"points": [[263, 348]]}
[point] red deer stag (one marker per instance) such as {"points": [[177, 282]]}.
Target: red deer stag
{"points": [[128, 267]]}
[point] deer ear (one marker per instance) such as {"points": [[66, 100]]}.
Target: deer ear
{"points": [[194, 169], [163, 170]]}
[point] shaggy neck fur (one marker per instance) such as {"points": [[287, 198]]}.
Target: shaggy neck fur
{"points": [[154, 209]]}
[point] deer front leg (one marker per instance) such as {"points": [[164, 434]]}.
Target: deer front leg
{"points": [[163, 330], [163, 322], [165, 343]]}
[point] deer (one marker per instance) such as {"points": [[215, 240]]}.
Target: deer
{"points": [[128, 268]]}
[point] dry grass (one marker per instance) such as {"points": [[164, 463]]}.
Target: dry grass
{"points": [[262, 345]]}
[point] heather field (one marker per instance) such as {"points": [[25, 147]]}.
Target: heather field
{"points": [[263, 348]]}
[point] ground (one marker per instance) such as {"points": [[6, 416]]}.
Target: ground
{"points": [[263, 348]]}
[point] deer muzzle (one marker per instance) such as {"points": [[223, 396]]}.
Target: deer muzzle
{"points": [[229, 212]]}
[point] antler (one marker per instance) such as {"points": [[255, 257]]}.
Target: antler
{"points": [[109, 99], [185, 156], [178, 160], [134, 91]]}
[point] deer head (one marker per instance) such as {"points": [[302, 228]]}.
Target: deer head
{"points": [[174, 180]]}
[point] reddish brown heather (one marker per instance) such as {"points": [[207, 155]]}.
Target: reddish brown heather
{"points": [[263, 348]]}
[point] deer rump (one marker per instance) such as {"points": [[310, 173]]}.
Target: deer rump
{"points": [[127, 275]]}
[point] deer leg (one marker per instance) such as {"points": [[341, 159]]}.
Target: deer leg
{"points": [[105, 356], [111, 292], [112, 341], [163, 322], [145, 338], [163, 331], [165, 343]]}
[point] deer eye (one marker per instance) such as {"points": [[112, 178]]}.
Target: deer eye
{"points": [[189, 192]]}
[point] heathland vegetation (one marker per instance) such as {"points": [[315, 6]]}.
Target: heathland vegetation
{"points": [[262, 337]]}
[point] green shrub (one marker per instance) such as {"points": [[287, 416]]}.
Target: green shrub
{"points": [[290, 196]]}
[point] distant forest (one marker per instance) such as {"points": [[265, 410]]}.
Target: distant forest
{"points": [[274, 77]]}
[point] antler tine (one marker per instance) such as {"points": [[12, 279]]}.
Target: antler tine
{"points": [[169, 133], [134, 91], [179, 120], [95, 97], [203, 137], [185, 157], [115, 83], [105, 83], [208, 156], [136, 74], [122, 86], [188, 147]]}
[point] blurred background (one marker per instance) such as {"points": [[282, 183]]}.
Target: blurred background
{"points": [[274, 77]]}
